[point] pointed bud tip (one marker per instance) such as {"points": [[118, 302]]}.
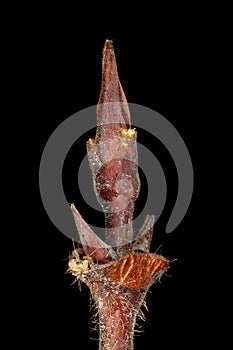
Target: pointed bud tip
{"points": [[108, 44], [108, 53]]}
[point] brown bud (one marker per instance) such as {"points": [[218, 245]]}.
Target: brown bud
{"points": [[113, 155]]}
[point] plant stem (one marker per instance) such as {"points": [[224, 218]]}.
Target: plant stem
{"points": [[117, 319], [119, 271]]}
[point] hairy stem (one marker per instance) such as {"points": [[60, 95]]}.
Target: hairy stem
{"points": [[118, 311]]}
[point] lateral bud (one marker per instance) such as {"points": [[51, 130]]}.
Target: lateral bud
{"points": [[91, 243]]}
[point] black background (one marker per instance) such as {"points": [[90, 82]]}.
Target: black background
{"points": [[163, 64]]}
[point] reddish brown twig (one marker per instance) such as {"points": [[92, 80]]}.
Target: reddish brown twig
{"points": [[120, 271]]}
